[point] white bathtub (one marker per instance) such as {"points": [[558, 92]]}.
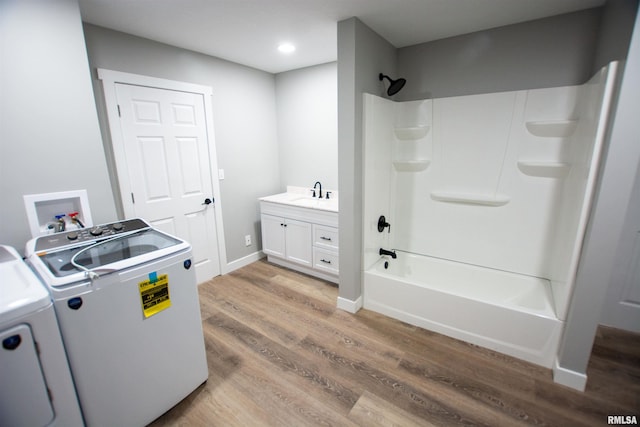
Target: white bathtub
{"points": [[506, 312]]}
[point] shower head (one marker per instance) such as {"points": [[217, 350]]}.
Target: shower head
{"points": [[394, 85]]}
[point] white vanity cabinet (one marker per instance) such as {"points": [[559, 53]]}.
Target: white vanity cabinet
{"points": [[301, 238], [287, 238]]}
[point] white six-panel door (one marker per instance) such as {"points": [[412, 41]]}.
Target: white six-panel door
{"points": [[165, 144]]}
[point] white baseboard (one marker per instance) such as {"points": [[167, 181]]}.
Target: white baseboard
{"points": [[569, 378], [244, 261], [348, 305]]}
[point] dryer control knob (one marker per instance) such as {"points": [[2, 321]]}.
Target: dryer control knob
{"points": [[118, 226], [96, 231]]}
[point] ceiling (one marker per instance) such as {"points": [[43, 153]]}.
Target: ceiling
{"points": [[248, 32]]}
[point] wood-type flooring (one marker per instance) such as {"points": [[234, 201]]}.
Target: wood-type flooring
{"points": [[281, 354]]}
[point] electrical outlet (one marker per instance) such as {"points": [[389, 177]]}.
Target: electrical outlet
{"points": [[247, 240]]}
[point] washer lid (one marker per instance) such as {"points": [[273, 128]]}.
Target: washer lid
{"points": [[20, 290], [112, 255]]}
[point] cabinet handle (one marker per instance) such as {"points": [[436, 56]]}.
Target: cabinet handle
{"points": [[325, 238], [325, 261]]}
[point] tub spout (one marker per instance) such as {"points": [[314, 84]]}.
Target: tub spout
{"points": [[392, 254]]}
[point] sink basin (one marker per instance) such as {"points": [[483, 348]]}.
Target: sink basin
{"points": [[312, 202], [294, 199], [303, 201]]}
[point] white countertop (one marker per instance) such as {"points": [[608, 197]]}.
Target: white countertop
{"points": [[301, 197]]}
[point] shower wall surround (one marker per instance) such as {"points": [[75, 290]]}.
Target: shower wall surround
{"points": [[498, 180]]}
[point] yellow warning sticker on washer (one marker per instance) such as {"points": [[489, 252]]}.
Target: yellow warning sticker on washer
{"points": [[154, 294]]}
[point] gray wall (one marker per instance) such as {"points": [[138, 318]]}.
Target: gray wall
{"points": [[555, 51], [244, 116], [306, 102], [616, 27], [362, 54], [49, 134]]}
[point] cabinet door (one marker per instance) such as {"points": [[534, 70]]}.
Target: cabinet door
{"points": [[298, 242], [273, 235], [24, 399]]}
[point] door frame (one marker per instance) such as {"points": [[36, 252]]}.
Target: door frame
{"points": [[109, 78]]}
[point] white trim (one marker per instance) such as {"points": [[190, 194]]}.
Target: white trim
{"points": [[109, 79], [111, 76], [569, 378], [243, 262], [348, 305]]}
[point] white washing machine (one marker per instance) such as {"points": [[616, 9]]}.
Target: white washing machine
{"points": [[127, 303], [36, 388]]}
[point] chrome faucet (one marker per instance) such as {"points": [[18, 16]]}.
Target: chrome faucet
{"points": [[314, 189]]}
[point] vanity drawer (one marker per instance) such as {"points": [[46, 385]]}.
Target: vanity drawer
{"points": [[325, 237], [325, 260]]}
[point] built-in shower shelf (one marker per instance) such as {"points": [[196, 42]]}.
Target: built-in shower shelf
{"points": [[411, 165], [470, 198], [411, 133], [544, 169], [552, 128]]}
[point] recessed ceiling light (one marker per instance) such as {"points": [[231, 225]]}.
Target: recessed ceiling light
{"points": [[286, 48]]}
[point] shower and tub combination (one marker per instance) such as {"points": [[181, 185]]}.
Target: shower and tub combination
{"points": [[483, 200]]}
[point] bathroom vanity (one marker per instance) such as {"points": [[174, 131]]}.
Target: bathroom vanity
{"points": [[301, 232]]}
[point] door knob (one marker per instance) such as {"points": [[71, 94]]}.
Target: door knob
{"points": [[208, 201]]}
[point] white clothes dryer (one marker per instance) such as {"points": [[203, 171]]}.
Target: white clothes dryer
{"points": [[126, 299], [36, 388]]}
